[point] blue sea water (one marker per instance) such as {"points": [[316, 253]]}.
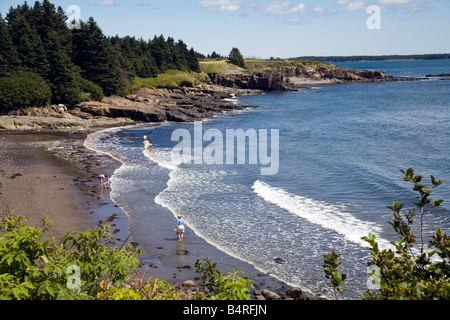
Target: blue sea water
{"points": [[341, 148]]}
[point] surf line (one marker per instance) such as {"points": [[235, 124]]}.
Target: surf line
{"points": [[213, 153], [87, 145]]}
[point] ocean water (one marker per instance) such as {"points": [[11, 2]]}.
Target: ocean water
{"points": [[341, 148]]}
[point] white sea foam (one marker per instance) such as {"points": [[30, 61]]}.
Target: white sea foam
{"points": [[326, 215]]}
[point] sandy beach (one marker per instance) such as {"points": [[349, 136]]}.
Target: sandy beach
{"points": [[37, 184], [52, 174]]}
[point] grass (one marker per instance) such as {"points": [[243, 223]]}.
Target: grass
{"points": [[218, 66], [177, 78], [256, 65], [170, 79]]}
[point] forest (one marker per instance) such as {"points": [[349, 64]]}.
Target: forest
{"points": [[43, 61]]}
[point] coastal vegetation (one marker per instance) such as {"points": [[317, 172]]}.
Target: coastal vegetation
{"points": [[34, 266], [76, 64], [170, 79], [406, 273]]}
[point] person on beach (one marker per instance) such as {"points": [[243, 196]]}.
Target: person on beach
{"points": [[102, 178], [179, 228]]}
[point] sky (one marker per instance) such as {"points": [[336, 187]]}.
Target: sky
{"points": [[276, 28]]}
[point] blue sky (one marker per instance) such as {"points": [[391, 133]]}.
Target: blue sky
{"points": [[276, 28]]}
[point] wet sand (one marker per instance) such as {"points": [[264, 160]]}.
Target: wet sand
{"points": [[61, 184], [37, 184]]}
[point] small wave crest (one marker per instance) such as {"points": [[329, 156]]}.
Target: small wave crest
{"points": [[329, 216]]}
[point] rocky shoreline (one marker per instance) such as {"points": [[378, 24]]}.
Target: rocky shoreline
{"points": [[144, 105], [183, 104]]}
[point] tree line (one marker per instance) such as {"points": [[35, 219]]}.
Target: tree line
{"points": [[44, 61], [435, 56]]}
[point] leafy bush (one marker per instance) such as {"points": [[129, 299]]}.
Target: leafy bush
{"points": [[23, 89], [36, 269], [409, 273], [92, 90], [231, 287]]}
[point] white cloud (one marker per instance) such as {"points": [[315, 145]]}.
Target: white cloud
{"points": [[414, 5], [106, 3], [283, 8], [226, 6], [353, 5], [388, 2]]}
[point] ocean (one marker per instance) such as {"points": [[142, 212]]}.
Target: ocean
{"points": [[335, 167]]}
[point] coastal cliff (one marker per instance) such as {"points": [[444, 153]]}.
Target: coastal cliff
{"points": [[193, 100]]}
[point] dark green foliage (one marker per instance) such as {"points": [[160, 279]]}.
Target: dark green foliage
{"points": [[93, 90], [235, 57], [62, 74], [83, 63], [29, 46], [95, 55], [8, 54], [23, 89]]}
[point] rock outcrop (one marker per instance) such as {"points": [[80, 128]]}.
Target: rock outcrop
{"points": [[144, 105], [252, 81], [158, 105], [290, 77]]}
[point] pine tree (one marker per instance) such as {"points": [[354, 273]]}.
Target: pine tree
{"points": [[99, 63], [162, 54], [62, 75], [193, 61], [8, 54], [235, 57], [29, 46]]}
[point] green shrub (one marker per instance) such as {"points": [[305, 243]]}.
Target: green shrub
{"points": [[231, 287], [35, 269], [23, 89], [91, 90], [408, 273]]}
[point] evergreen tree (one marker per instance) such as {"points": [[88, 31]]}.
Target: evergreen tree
{"points": [[235, 57], [62, 74], [193, 61], [162, 54], [8, 54], [29, 46], [93, 52], [46, 17]]}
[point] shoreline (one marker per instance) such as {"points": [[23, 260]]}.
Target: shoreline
{"points": [[61, 184], [161, 259], [79, 167]]}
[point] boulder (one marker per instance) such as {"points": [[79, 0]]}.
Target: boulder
{"points": [[269, 295], [295, 293], [188, 284]]}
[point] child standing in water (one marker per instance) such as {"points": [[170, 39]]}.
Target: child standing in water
{"points": [[179, 228]]}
